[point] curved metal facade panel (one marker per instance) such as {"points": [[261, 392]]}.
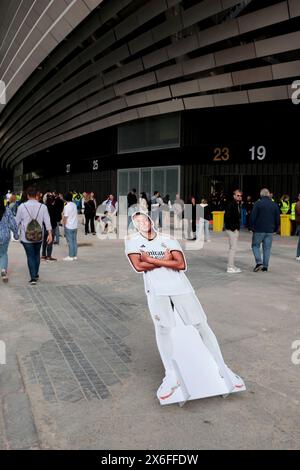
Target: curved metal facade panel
{"points": [[33, 28], [132, 59]]}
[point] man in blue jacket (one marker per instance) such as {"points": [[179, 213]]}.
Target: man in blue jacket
{"points": [[264, 221]]}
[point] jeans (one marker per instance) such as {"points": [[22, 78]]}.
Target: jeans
{"points": [[298, 246], [32, 251], [191, 228], [203, 227], [233, 239], [56, 234], [3, 256], [265, 239], [47, 247], [71, 237]]}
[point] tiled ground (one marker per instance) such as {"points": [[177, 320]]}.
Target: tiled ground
{"points": [[83, 369]]}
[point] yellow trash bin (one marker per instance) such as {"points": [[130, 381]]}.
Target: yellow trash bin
{"points": [[285, 225], [218, 221]]}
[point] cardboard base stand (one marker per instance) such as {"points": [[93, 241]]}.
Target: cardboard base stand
{"points": [[196, 370]]}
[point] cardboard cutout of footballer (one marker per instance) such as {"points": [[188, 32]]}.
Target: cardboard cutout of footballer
{"points": [[193, 362]]}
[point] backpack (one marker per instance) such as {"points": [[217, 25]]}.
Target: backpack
{"points": [[34, 231]]}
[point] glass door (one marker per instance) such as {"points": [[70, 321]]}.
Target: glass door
{"points": [[166, 180]]}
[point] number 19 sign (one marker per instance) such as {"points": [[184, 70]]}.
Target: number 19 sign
{"points": [[258, 153]]}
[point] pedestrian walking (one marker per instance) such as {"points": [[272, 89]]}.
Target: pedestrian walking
{"points": [[232, 219], [7, 224], [264, 221], [32, 216]]}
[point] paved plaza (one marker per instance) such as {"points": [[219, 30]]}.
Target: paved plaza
{"points": [[82, 367]]}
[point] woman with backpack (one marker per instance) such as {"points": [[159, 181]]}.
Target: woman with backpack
{"points": [[7, 224]]}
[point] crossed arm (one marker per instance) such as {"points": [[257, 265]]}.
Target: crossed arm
{"points": [[144, 262]]}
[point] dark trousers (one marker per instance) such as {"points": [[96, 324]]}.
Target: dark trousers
{"points": [[33, 251], [47, 248], [191, 228], [89, 219]]}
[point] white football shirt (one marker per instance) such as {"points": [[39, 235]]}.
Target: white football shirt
{"points": [[159, 281]]}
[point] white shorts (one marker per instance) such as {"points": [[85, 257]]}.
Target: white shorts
{"points": [[187, 306]]}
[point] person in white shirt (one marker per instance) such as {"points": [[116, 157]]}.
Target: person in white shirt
{"points": [[163, 264], [70, 222], [30, 211], [111, 206]]}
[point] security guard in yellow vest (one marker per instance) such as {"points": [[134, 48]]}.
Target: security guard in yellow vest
{"points": [[284, 205], [293, 217]]}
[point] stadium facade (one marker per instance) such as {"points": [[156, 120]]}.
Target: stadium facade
{"points": [[181, 96]]}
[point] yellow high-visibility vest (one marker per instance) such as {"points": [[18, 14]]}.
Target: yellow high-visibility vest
{"points": [[285, 207], [293, 211]]}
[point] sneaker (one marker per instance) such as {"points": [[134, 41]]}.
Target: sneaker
{"points": [[49, 258], [232, 380], [68, 258], [32, 282], [4, 275], [75, 257], [298, 258], [43, 258], [264, 269], [234, 270], [208, 241], [168, 386], [257, 268]]}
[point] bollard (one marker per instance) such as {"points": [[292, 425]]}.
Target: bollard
{"points": [[285, 225], [218, 221]]}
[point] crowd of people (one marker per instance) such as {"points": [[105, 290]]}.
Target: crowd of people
{"points": [[262, 218], [35, 219]]}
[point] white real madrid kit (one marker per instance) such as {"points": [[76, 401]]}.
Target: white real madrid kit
{"points": [[168, 290]]}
